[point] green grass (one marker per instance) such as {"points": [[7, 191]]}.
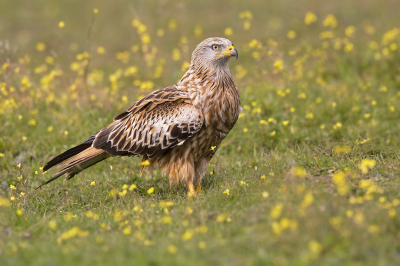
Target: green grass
{"points": [[297, 193]]}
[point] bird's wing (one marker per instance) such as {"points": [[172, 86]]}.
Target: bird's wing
{"points": [[153, 99], [150, 129]]}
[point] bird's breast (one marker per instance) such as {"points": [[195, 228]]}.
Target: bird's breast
{"points": [[220, 107]]}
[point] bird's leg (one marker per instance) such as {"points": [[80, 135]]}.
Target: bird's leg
{"points": [[192, 191], [201, 168], [198, 186]]}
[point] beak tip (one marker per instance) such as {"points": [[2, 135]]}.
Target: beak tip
{"points": [[234, 53]]}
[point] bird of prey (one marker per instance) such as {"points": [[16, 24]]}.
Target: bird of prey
{"points": [[178, 128]]}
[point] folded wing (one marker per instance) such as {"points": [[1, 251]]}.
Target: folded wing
{"points": [[151, 130]]}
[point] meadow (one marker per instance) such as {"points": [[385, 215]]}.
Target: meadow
{"points": [[308, 176]]}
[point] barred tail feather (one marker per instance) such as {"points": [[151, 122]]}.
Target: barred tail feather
{"points": [[66, 155], [78, 163]]}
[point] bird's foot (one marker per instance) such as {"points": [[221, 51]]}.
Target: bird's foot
{"points": [[194, 192]]}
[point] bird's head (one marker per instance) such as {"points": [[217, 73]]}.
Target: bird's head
{"points": [[214, 52]]}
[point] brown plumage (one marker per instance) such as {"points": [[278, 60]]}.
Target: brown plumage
{"points": [[178, 128]]}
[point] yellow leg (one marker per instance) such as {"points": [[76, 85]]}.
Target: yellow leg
{"points": [[198, 188], [192, 191]]}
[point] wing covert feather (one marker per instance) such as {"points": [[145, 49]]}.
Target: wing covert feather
{"points": [[153, 99], [151, 132]]}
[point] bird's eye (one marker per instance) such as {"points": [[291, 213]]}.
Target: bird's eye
{"points": [[215, 47]]}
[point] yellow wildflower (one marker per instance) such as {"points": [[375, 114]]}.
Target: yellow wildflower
{"points": [[172, 249], [228, 31], [330, 21], [150, 190], [310, 18], [366, 165]]}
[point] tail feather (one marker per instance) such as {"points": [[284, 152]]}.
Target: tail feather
{"points": [[78, 162], [65, 155]]}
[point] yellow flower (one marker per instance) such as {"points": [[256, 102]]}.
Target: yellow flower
{"points": [[187, 235], [132, 187], [291, 34], [373, 228], [299, 172], [228, 31], [176, 54], [22, 194], [349, 31], [272, 133], [337, 125], [330, 21], [308, 200], [276, 211], [172, 24], [226, 192], [222, 217], [339, 150], [315, 247], [202, 245], [127, 230], [172, 249], [265, 194], [52, 224], [92, 183], [302, 95], [12, 198], [150, 190], [278, 64], [113, 193], [366, 165], [61, 24], [19, 212], [392, 212], [285, 123], [342, 185], [213, 147], [245, 130], [101, 50], [198, 31], [40, 47], [310, 18], [166, 220]]}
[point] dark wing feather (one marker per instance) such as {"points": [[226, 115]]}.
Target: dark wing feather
{"points": [[151, 131]]}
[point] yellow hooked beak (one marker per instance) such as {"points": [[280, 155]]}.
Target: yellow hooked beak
{"points": [[230, 52]]}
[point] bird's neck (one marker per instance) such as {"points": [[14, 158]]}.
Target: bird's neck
{"points": [[204, 78]]}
